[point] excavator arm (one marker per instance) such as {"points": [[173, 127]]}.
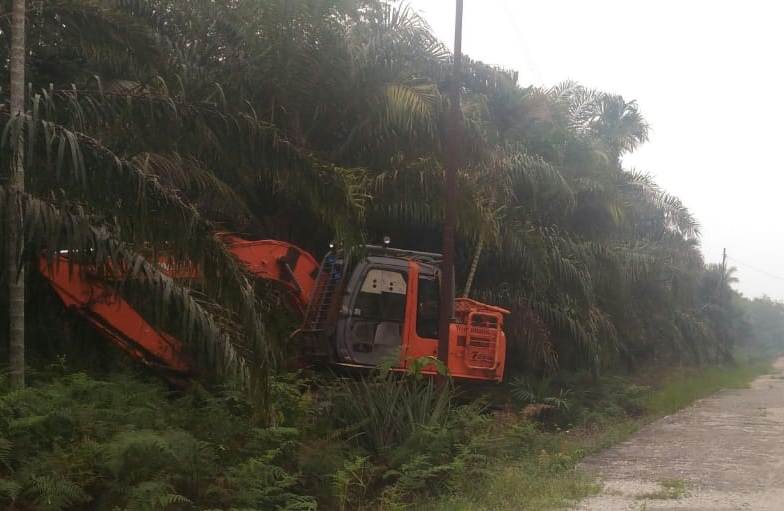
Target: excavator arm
{"points": [[118, 321]]}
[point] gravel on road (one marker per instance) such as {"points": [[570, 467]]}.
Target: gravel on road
{"points": [[725, 452]]}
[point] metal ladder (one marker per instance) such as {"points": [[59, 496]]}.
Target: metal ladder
{"points": [[320, 308]]}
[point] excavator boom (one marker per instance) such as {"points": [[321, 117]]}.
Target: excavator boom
{"points": [[120, 323], [280, 262]]}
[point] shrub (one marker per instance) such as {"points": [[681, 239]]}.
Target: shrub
{"points": [[121, 444], [387, 409]]}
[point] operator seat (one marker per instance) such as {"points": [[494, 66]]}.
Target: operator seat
{"points": [[383, 340]]}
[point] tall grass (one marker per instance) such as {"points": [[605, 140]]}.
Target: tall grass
{"points": [[685, 386], [521, 486]]}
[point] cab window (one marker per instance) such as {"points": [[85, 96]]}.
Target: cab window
{"points": [[382, 296], [428, 301]]}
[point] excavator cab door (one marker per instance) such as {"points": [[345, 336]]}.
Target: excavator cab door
{"points": [[423, 314], [374, 310]]}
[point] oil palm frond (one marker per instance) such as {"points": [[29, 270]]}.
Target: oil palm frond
{"points": [[52, 229]]}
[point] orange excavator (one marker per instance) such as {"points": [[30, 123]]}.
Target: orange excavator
{"points": [[358, 312]]}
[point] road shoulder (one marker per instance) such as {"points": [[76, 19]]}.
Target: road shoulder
{"points": [[723, 452]]}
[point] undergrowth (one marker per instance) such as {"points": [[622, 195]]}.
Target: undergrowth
{"points": [[386, 441], [74, 442]]}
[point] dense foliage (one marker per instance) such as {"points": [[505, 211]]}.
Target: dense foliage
{"points": [[74, 442], [80, 443], [154, 123]]}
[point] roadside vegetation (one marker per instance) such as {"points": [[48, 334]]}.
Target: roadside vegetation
{"points": [[604, 414], [71, 441], [150, 125]]}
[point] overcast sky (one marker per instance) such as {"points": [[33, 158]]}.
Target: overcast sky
{"points": [[708, 77]]}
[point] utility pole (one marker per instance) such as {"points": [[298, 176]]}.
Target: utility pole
{"points": [[723, 275], [451, 163]]}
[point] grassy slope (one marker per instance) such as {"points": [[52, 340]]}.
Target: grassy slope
{"points": [[547, 479]]}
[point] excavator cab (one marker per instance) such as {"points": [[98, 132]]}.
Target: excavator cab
{"points": [[384, 309], [380, 307]]}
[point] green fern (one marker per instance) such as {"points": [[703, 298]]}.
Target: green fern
{"points": [[136, 455], [260, 483], [153, 496], [420, 475], [6, 451], [52, 493], [539, 392], [9, 490], [350, 483]]}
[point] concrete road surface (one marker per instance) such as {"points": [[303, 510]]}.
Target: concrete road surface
{"points": [[725, 452]]}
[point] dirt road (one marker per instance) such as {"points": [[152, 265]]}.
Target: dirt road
{"points": [[725, 452]]}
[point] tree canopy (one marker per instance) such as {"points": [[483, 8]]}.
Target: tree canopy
{"points": [[152, 124]]}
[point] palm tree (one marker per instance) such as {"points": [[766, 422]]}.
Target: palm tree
{"points": [[101, 193], [110, 158], [312, 119], [15, 226]]}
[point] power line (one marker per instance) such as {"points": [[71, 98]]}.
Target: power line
{"points": [[533, 68], [752, 267]]}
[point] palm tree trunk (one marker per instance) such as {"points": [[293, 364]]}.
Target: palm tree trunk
{"points": [[474, 265], [16, 278]]}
